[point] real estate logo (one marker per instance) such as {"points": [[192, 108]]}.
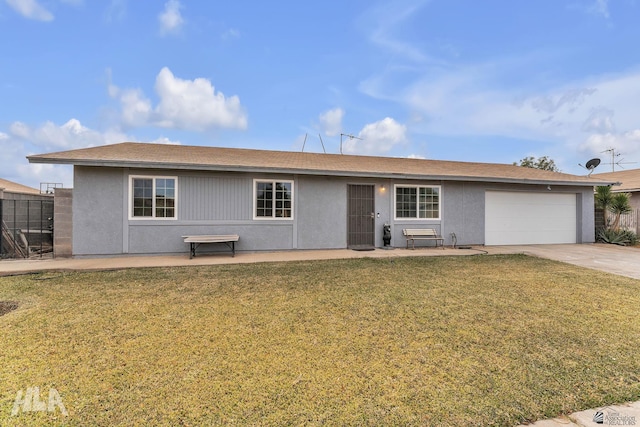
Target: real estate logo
{"points": [[30, 401], [611, 417]]}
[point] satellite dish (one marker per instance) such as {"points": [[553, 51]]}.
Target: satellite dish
{"points": [[592, 164]]}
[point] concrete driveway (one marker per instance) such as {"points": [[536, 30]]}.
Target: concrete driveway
{"points": [[621, 260]]}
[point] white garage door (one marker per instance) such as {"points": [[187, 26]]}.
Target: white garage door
{"points": [[520, 218]]}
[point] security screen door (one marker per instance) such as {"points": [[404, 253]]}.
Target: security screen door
{"points": [[361, 216]]}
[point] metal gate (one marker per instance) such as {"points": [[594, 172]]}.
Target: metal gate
{"points": [[26, 228], [361, 216]]}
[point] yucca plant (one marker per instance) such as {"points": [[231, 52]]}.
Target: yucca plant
{"points": [[603, 198], [617, 237], [619, 205]]}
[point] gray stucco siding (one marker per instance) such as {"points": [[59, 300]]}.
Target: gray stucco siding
{"points": [[160, 239], [223, 203], [463, 212], [321, 211], [213, 203], [207, 204], [98, 209]]}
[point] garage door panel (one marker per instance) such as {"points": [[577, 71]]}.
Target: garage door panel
{"points": [[513, 218]]}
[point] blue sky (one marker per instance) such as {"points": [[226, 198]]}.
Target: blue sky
{"points": [[489, 81]]}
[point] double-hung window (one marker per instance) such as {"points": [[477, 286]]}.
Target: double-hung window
{"points": [[417, 202], [153, 197], [272, 199]]}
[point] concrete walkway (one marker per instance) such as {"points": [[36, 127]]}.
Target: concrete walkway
{"points": [[613, 259], [20, 266], [609, 258]]}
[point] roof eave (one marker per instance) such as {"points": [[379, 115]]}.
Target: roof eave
{"points": [[625, 190], [296, 171]]}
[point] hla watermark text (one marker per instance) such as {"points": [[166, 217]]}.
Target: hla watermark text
{"points": [[30, 402]]}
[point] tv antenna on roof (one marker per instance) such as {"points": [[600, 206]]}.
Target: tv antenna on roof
{"points": [[305, 141], [613, 159], [350, 137], [591, 165]]}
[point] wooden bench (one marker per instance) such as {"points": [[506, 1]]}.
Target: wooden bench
{"points": [[195, 241], [414, 234]]}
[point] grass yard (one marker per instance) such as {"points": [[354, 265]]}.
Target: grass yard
{"points": [[443, 341]]}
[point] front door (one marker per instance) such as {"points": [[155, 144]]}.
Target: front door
{"points": [[361, 216]]}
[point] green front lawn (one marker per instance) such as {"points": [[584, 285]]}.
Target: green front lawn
{"points": [[446, 341]]}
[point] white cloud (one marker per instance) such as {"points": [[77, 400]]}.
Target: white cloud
{"points": [[30, 9], [599, 7], [331, 121], [19, 130], [72, 134], [575, 117], [183, 104], [383, 22], [136, 109], [194, 104], [627, 144], [165, 140], [551, 103], [22, 140], [170, 19], [600, 120], [415, 156], [377, 138], [33, 174]]}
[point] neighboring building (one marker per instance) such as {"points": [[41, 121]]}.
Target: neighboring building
{"points": [[629, 180], [10, 190], [135, 198]]}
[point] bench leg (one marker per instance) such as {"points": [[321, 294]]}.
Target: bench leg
{"points": [[233, 249], [192, 250]]}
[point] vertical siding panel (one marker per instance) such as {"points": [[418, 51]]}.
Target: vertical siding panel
{"points": [[211, 198]]}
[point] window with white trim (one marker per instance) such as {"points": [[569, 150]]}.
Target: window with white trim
{"points": [[153, 197], [417, 202], [272, 199]]}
